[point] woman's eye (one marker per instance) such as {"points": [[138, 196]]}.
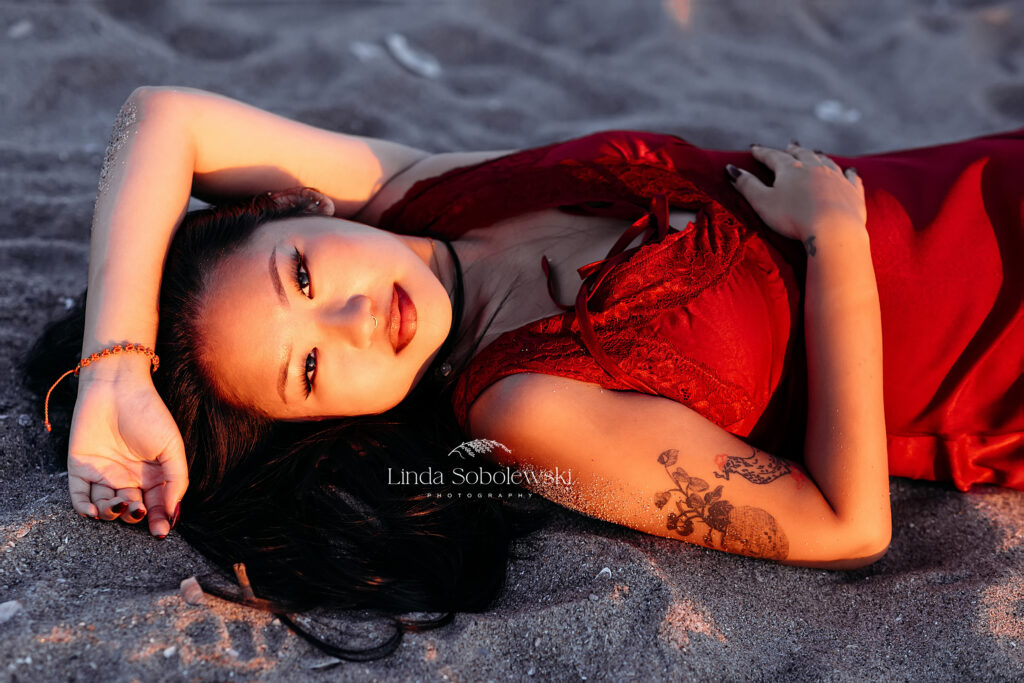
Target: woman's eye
{"points": [[301, 274], [309, 372]]}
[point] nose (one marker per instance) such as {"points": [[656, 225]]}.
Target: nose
{"points": [[350, 321]]}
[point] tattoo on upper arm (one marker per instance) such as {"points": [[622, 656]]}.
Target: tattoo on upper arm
{"points": [[809, 243], [759, 470], [739, 529]]}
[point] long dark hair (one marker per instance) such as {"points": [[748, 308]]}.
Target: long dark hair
{"points": [[308, 507]]}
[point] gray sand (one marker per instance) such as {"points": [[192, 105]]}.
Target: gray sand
{"points": [[100, 601]]}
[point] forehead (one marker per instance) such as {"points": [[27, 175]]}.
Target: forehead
{"points": [[294, 226], [242, 324], [307, 224]]}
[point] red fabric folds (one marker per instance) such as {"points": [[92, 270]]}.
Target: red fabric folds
{"points": [[655, 226], [711, 315]]}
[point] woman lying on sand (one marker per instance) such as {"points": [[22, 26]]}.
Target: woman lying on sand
{"points": [[760, 339]]}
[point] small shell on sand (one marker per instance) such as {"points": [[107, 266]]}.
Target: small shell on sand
{"points": [[192, 592], [416, 61]]}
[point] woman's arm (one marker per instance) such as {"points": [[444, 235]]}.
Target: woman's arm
{"points": [[813, 201], [167, 143], [170, 142], [846, 443], [657, 466]]}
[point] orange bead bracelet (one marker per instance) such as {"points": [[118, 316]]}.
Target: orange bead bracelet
{"points": [[114, 350]]}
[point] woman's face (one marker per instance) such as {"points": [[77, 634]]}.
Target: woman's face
{"points": [[286, 320]]}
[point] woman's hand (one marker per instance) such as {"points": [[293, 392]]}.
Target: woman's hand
{"points": [[126, 458], [810, 192]]}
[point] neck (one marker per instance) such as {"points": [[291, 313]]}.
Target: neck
{"points": [[482, 295]]}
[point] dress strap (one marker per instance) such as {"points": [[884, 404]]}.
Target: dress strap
{"points": [[654, 225]]}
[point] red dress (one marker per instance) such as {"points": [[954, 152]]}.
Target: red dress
{"points": [[710, 314]]}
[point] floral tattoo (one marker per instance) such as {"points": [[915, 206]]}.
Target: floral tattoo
{"points": [[739, 529], [758, 468]]}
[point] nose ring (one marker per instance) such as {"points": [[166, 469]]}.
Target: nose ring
{"points": [[374, 321]]}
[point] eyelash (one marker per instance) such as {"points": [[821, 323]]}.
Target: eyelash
{"points": [[299, 264]]}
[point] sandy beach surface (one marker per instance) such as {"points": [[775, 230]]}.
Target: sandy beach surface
{"points": [[83, 600]]}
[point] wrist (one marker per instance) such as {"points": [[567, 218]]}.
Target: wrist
{"points": [[120, 364], [117, 362], [835, 236], [844, 224]]}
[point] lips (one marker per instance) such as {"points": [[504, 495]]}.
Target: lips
{"points": [[403, 319]]}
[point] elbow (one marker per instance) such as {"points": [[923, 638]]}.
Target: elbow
{"points": [[877, 536], [870, 553], [871, 545], [852, 549], [868, 538], [150, 95], [145, 93], [164, 102]]}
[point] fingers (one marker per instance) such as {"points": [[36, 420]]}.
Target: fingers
{"points": [[851, 175], [105, 499], [827, 161], [774, 159], [136, 508], [164, 500], [801, 153], [812, 157], [80, 500], [749, 185], [159, 523], [175, 468]]}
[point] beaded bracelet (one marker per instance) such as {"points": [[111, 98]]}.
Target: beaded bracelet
{"points": [[154, 362]]}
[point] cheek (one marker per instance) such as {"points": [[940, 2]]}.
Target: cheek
{"points": [[345, 392]]}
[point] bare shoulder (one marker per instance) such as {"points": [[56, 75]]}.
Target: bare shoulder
{"points": [[428, 167], [531, 408], [521, 400]]}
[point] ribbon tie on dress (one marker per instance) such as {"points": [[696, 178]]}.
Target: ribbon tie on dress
{"points": [[655, 225]]}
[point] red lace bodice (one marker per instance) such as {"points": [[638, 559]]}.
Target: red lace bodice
{"points": [[702, 315], [710, 314]]}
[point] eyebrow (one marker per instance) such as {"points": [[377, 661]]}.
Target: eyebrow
{"points": [[286, 351], [275, 279]]}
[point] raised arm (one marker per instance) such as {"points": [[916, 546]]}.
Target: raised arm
{"points": [[658, 466], [172, 142], [125, 454], [126, 457]]}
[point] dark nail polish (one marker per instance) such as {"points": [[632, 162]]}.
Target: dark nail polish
{"points": [[138, 513], [119, 508], [161, 536], [733, 172], [174, 517]]}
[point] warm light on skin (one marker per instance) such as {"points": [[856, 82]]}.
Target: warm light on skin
{"points": [[680, 11], [249, 329]]}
